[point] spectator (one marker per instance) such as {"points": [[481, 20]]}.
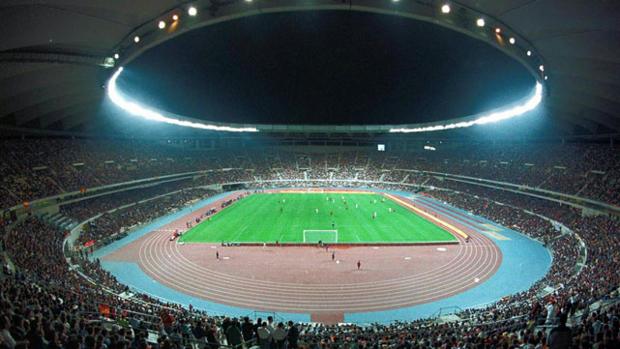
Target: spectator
{"points": [[264, 336], [279, 336], [293, 335], [233, 334], [247, 329], [5, 334], [560, 337]]}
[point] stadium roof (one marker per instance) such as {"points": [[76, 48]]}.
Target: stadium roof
{"points": [[54, 53]]}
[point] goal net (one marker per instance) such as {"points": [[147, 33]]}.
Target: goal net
{"points": [[314, 236]]}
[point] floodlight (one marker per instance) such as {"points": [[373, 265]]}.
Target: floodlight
{"points": [[498, 30], [445, 9], [512, 41], [147, 113], [161, 25], [494, 116], [192, 11], [541, 67], [480, 22], [117, 56], [529, 53], [136, 39], [175, 17]]}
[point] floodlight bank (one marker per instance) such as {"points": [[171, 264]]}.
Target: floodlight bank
{"points": [[495, 116], [136, 109]]}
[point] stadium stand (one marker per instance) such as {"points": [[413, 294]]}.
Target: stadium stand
{"points": [[36, 169], [47, 302]]}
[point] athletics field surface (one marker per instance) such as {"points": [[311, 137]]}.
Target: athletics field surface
{"points": [[309, 217]]}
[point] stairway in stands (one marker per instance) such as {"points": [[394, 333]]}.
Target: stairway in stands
{"points": [[58, 219]]}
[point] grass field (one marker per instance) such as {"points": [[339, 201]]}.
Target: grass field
{"points": [[293, 218]]}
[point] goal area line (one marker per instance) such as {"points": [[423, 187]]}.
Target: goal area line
{"points": [[323, 235]]}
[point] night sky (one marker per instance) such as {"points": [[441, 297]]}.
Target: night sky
{"points": [[337, 67]]}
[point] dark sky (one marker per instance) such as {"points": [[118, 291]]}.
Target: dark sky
{"points": [[337, 67]]}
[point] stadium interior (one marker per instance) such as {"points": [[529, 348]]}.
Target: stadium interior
{"points": [[398, 136]]}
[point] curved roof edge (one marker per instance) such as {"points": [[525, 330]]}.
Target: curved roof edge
{"points": [[464, 22]]}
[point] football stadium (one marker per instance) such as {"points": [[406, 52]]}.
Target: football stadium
{"points": [[317, 174]]}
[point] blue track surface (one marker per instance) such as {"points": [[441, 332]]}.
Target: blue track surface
{"points": [[524, 262]]}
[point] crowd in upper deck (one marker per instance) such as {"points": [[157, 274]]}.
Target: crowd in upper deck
{"points": [[38, 168]]}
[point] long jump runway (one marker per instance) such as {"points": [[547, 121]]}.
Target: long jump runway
{"points": [[305, 279]]}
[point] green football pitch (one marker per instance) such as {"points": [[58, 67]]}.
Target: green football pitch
{"points": [[310, 217]]}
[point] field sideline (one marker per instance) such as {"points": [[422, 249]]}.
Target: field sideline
{"points": [[308, 217]]}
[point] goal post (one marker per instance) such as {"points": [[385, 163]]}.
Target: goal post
{"points": [[314, 236]]}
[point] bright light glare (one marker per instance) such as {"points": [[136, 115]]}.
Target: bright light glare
{"points": [[445, 9], [136, 39], [480, 22], [136, 109], [529, 53], [117, 56], [541, 67], [498, 30], [512, 41], [491, 117], [175, 17], [192, 11], [161, 25]]}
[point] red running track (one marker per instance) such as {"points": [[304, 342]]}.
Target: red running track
{"points": [[305, 279]]}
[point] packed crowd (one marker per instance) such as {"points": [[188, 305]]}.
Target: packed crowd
{"points": [[114, 225], [509, 323], [47, 304], [599, 233], [84, 209], [36, 168], [591, 171]]}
